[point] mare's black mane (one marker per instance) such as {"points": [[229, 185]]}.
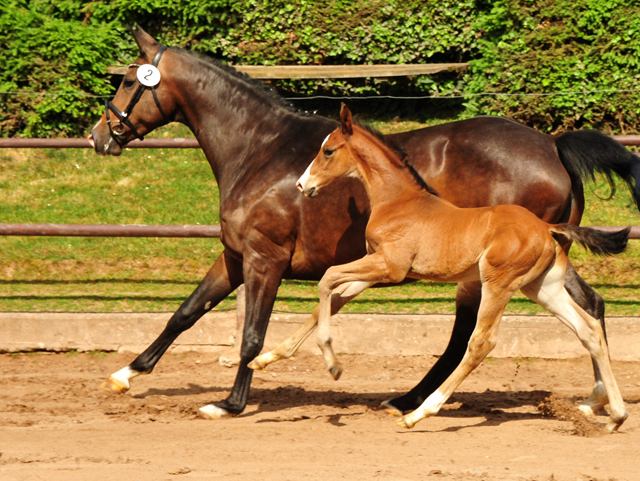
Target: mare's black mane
{"points": [[261, 87], [400, 152]]}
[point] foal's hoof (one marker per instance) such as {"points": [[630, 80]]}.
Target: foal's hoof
{"points": [[336, 372], [390, 408], [255, 365], [211, 411], [611, 427], [115, 385], [403, 422], [586, 410]]}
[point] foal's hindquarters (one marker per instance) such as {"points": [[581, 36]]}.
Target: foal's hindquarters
{"points": [[548, 291]]}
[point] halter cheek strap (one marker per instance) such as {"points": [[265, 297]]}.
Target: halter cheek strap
{"points": [[123, 117]]}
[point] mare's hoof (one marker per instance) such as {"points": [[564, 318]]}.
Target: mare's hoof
{"points": [[115, 385], [336, 372], [211, 411], [390, 408]]}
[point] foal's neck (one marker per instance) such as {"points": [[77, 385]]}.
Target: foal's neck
{"points": [[385, 176]]}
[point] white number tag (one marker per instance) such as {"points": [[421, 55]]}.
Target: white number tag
{"points": [[148, 75]]}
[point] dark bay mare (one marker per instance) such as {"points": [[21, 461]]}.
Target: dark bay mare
{"points": [[258, 146]]}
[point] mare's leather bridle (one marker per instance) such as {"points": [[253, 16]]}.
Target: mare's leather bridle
{"points": [[123, 116]]}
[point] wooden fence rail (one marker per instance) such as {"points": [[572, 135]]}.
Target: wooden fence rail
{"points": [[279, 72]]}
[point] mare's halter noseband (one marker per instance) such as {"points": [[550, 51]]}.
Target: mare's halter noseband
{"points": [[123, 117]]}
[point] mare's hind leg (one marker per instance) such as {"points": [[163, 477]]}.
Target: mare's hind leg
{"points": [[221, 280], [288, 348], [481, 342], [549, 291], [591, 302]]}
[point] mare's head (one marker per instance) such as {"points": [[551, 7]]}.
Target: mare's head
{"points": [[335, 159], [143, 102]]}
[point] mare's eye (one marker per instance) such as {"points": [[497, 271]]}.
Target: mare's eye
{"points": [[328, 153], [128, 82]]}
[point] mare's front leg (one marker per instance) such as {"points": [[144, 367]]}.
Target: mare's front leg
{"points": [[467, 304], [360, 274], [222, 279], [262, 277]]}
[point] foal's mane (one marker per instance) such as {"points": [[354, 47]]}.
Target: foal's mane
{"points": [[255, 84], [399, 152]]}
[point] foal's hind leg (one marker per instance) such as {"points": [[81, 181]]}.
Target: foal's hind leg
{"points": [[468, 299], [549, 291], [482, 341], [288, 348]]}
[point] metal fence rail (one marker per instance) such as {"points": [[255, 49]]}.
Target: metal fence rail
{"points": [[136, 230], [110, 230]]}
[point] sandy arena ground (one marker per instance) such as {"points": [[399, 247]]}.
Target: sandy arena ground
{"points": [[56, 424]]}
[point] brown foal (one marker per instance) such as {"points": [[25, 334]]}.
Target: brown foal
{"points": [[413, 233]]}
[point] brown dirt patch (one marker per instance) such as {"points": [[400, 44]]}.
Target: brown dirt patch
{"points": [[56, 424], [554, 407]]}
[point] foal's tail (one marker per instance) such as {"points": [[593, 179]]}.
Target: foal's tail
{"points": [[585, 152], [604, 243]]}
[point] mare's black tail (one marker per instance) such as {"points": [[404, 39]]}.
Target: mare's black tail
{"points": [[585, 152], [604, 243]]}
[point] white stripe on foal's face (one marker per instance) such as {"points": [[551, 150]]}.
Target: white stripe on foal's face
{"points": [[304, 178], [302, 181]]}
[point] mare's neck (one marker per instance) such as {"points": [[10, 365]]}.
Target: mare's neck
{"points": [[237, 125]]}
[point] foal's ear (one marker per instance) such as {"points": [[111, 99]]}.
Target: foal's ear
{"points": [[146, 42], [347, 121]]}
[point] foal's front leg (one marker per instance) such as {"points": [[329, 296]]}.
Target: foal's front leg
{"points": [[360, 274], [288, 348]]}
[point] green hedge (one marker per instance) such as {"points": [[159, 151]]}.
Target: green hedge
{"points": [[63, 47], [548, 46]]}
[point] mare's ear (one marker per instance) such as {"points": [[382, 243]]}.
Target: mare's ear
{"points": [[147, 44], [347, 120]]}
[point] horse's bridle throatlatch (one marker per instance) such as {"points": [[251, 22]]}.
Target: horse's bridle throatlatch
{"points": [[123, 117]]}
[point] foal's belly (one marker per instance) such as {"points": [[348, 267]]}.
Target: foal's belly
{"points": [[445, 273]]}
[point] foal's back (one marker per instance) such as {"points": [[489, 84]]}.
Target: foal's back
{"points": [[453, 244]]}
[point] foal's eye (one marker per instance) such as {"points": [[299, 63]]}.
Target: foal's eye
{"points": [[328, 153]]}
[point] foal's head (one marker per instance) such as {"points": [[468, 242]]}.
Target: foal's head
{"points": [[335, 159], [343, 154]]}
